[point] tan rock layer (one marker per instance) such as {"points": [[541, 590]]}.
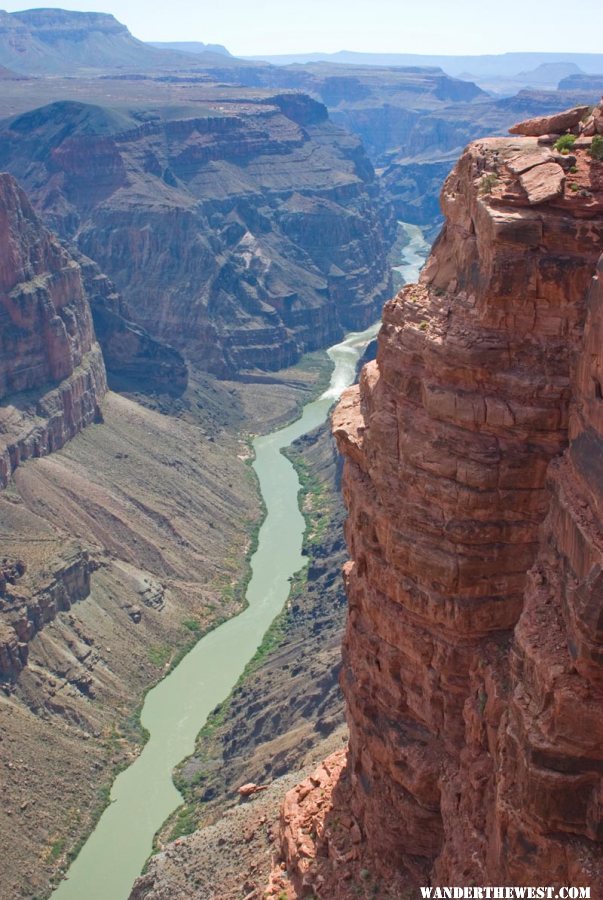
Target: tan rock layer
{"points": [[475, 714]]}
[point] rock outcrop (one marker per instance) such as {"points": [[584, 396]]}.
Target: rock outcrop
{"points": [[472, 656], [415, 154], [26, 604], [585, 121], [52, 376], [559, 123], [243, 233]]}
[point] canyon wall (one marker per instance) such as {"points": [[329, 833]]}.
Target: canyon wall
{"points": [[472, 659], [52, 375], [52, 383], [243, 231], [114, 538]]}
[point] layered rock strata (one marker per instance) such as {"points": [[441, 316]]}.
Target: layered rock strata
{"points": [[28, 604], [52, 368], [244, 232], [472, 662], [550, 737], [52, 376]]}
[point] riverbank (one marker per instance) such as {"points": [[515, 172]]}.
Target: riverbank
{"points": [[147, 509], [162, 500], [287, 700], [174, 710]]}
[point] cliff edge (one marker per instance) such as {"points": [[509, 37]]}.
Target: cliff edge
{"points": [[472, 659]]}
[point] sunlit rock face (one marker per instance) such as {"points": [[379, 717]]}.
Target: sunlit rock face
{"points": [[472, 656]]}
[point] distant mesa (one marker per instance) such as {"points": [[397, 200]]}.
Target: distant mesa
{"points": [[502, 65], [582, 82], [190, 47], [549, 73], [55, 41], [66, 118]]}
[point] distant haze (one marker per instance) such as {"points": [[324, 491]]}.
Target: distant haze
{"points": [[381, 26]]}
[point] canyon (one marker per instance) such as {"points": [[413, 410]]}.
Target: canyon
{"points": [[106, 578], [101, 560], [244, 234], [244, 227], [471, 657], [413, 115], [213, 224]]}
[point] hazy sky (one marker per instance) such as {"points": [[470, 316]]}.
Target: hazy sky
{"points": [[393, 26]]}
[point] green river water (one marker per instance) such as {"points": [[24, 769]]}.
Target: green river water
{"points": [[175, 710]]}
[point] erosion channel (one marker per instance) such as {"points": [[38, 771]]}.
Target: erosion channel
{"points": [[175, 710]]}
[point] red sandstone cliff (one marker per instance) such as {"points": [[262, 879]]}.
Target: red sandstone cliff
{"points": [[52, 375], [473, 652]]}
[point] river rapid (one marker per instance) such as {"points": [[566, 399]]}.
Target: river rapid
{"points": [[174, 711]]}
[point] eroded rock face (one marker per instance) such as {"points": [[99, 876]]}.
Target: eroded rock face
{"points": [[242, 235], [550, 738], [472, 656], [52, 376], [27, 609]]}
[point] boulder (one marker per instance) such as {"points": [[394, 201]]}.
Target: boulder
{"points": [[555, 124], [543, 183], [249, 789]]}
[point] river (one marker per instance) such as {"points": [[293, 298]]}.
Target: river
{"points": [[174, 711]]}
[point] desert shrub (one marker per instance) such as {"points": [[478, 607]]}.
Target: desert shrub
{"points": [[565, 143], [596, 148], [487, 183]]}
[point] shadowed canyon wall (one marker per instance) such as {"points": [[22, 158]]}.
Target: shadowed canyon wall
{"points": [[244, 232]]}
